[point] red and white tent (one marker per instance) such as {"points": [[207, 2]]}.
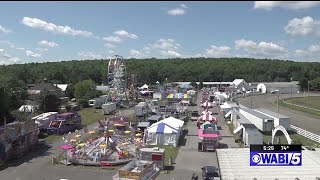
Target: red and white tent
{"points": [[206, 112], [207, 117], [206, 105]]}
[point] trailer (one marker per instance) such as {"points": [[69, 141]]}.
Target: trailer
{"points": [[141, 109], [263, 122], [43, 120], [278, 119], [109, 108]]}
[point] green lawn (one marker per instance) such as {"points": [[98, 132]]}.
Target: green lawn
{"points": [[312, 102], [90, 115]]}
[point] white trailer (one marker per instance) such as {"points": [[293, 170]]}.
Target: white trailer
{"points": [[141, 109], [109, 108], [262, 122], [43, 120], [278, 119]]}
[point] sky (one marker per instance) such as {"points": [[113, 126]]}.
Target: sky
{"points": [[60, 31]]}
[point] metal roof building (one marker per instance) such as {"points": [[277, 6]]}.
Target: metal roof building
{"points": [[234, 164]]}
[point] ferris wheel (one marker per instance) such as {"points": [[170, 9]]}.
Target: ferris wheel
{"points": [[117, 75]]}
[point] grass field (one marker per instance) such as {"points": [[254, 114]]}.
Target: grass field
{"points": [[311, 102], [90, 115]]}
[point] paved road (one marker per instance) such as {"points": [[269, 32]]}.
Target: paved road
{"points": [[189, 160], [36, 165], [300, 119]]}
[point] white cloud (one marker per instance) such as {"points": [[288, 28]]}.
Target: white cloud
{"points": [[50, 27], [111, 52], [314, 49], [292, 5], [169, 44], [304, 26], [177, 12], [32, 54], [90, 55], [218, 51], [262, 49], [136, 54], [120, 35], [10, 44], [22, 49], [171, 53], [6, 58], [48, 43], [109, 45], [113, 39], [4, 30], [125, 34], [184, 6], [41, 50]]}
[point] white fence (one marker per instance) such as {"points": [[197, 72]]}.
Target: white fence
{"points": [[306, 134]]}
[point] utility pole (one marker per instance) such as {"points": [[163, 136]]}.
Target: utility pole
{"points": [[308, 88], [278, 103], [291, 90]]}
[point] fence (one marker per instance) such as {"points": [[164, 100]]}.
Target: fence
{"points": [[307, 134]]}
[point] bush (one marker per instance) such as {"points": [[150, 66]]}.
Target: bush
{"points": [[83, 103], [68, 107]]}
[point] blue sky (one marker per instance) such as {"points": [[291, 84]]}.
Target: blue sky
{"points": [[56, 31]]}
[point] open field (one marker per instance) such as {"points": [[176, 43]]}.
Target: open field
{"points": [[311, 102], [90, 115]]}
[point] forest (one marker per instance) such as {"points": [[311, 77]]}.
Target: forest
{"points": [[151, 70], [83, 75]]}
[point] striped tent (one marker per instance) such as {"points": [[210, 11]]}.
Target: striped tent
{"points": [[206, 112], [206, 105], [178, 96], [208, 117]]}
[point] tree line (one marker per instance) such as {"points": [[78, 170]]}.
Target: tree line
{"points": [[13, 78]]}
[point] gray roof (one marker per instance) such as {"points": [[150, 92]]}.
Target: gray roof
{"points": [[154, 118], [144, 124], [272, 114], [255, 113], [243, 120], [253, 131]]}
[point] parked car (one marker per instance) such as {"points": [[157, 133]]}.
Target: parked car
{"points": [[194, 116], [210, 173]]}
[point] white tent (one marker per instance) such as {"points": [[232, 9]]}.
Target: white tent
{"points": [[145, 86], [162, 134], [173, 122]]}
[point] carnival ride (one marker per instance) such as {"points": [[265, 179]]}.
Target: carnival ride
{"points": [[112, 143], [117, 76]]}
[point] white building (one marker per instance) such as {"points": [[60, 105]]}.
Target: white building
{"points": [[282, 87], [240, 84]]}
